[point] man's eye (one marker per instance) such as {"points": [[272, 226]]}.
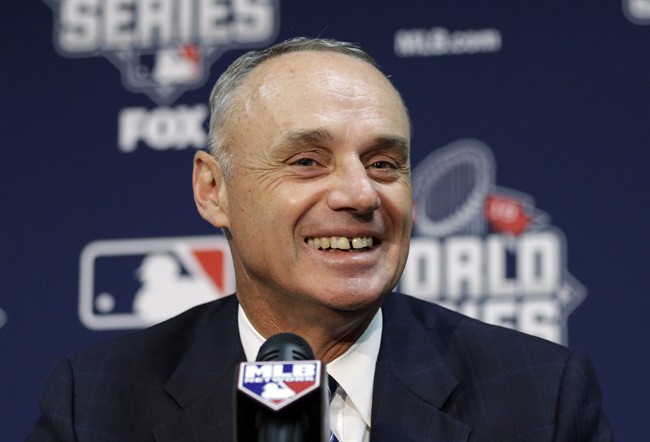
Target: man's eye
{"points": [[382, 165], [305, 162]]}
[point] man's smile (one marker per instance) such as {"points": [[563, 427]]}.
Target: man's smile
{"points": [[341, 243]]}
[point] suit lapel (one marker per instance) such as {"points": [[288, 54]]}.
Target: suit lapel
{"points": [[203, 381], [412, 381]]}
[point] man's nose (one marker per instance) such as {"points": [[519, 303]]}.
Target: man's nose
{"points": [[354, 190]]}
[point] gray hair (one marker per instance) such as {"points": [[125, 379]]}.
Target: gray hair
{"points": [[224, 92]]}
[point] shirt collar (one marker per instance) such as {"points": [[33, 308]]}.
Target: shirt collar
{"points": [[251, 340], [354, 370]]}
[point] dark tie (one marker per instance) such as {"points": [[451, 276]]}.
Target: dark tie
{"points": [[332, 386]]}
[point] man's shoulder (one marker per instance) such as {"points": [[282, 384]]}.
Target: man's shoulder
{"points": [[462, 337], [147, 374], [478, 370], [162, 344]]}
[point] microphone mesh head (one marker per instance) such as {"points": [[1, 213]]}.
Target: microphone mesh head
{"points": [[285, 347]]}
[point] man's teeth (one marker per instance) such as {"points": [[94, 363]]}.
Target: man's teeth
{"points": [[340, 242]]}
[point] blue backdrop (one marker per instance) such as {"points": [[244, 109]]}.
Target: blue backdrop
{"points": [[531, 152]]}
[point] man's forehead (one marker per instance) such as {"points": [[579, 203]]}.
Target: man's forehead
{"points": [[295, 88], [282, 70]]}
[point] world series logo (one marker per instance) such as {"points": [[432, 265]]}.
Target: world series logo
{"points": [[484, 250], [162, 47]]}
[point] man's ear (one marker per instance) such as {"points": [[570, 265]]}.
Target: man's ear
{"points": [[209, 190]]}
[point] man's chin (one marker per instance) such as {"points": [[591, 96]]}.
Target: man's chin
{"points": [[355, 301]]}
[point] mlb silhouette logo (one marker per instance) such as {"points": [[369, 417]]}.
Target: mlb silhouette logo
{"points": [[136, 283], [167, 67], [179, 65]]}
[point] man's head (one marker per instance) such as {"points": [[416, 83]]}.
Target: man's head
{"points": [[312, 181]]}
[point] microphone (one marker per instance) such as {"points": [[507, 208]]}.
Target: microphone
{"points": [[282, 396]]}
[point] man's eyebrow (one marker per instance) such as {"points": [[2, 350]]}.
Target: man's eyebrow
{"points": [[306, 136], [319, 137], [392, 142]]}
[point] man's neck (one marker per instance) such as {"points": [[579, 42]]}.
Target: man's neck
{"points": [[329, 332]]}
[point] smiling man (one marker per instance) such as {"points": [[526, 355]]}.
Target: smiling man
{"points": [[308, 177], [316, 200]]}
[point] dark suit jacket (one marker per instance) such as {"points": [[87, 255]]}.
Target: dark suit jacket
{"points": [[440, 376]]}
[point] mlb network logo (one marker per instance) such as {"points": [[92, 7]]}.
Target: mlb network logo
{"points": [[277, 384], [136, 283]]}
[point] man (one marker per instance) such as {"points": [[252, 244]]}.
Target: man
{"points": [[308, 176]]}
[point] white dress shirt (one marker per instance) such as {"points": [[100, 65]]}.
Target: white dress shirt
{"points": [[354, 370]]}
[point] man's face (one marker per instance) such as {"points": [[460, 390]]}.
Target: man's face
{"points": [[321, 167]]}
